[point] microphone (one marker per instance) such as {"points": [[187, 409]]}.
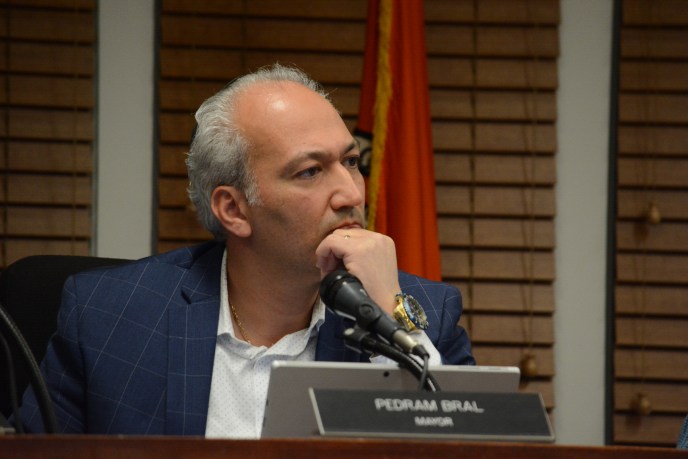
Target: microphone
{"points": [[343, 293]]}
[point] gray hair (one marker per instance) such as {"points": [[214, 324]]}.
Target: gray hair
{"points": [[219, 152]]}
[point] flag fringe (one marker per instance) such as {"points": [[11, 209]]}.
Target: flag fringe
{"points": [[383, 96]]}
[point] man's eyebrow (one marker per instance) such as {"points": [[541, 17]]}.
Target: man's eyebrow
{"points": [[317, 155], [304, 156], [355, 144]]}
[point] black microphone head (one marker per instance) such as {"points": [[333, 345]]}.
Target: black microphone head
{"points": [[343, 293], [331, 284]]}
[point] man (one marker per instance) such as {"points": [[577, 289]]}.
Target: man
{"points": [[182, 343]]}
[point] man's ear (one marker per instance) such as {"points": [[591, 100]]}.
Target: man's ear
{"points": [[229, 206]]}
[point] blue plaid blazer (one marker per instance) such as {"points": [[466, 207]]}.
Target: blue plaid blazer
{"points": [[134, 348]]}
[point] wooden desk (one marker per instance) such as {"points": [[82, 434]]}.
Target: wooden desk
{"points": [[77, 447]]}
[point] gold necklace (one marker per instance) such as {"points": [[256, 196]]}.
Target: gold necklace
{"points": [[235, 316]]}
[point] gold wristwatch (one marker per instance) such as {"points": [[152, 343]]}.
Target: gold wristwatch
{"points": [[409, 313]]}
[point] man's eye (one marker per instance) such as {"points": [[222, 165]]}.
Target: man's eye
{"points": [[352, 161], [309, 173]]}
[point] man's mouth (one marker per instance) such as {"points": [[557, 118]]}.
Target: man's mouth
{"points": [[349, 226]]}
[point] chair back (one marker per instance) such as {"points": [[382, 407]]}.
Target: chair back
{"points": [[31, 293]]}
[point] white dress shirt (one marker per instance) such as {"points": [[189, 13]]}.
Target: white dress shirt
{"points": [[241, 372]]}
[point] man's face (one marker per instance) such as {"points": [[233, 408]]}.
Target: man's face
{"points": [[305, 163]]}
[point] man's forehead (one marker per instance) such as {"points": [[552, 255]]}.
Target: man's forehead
{"points": [[271, 92]]}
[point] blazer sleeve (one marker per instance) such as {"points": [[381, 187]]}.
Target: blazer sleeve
{"points": [[443, 306], [453, 342]]}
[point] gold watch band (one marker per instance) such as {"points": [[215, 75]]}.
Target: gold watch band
{"points": [[401, 316]]}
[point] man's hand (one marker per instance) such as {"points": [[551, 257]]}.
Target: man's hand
{"points": [[369, 256]]}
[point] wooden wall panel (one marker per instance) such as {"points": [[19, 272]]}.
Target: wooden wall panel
{"points": [[662, 43], [651, 294], [513, 297], [670, 237], [657, 430], [652, 300], [497, 265], [495, 201], [48, 222], [18, 248], [658, 365], [496, 233], [665, 397], [494, 169], [665, 140], [652, 332], [46, 126], [633, 204], [652, 268], [49, 157], [45, 91], [493, 78], [665, 173], [329, 9]]}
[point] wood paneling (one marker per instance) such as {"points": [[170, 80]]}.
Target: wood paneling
{"points": [[658, 430], [18, 248], [655, 13], [48, 222], [41, 59], [503, 329], [652, 332], [665, 140], [660, 76], [666, 397], [47, 189], [660, 269], [652, 300], [46, 126], [47, 92], [509, 201], [330, 9], [495, 169], [49, 157], [514, 297], [651, 293], [655, 43], [670, 237], [633, 204], [658, 173], [496, 233], [648, 365], [495, 264]]}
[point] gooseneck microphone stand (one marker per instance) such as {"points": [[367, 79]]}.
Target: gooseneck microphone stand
{"points": [[362, 341], [10, 330]]}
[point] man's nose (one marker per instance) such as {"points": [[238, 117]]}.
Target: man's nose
{"points": [[348, 189]]}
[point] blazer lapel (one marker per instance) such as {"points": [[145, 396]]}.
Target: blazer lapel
{"points": [[191, 344], [331, 345]]}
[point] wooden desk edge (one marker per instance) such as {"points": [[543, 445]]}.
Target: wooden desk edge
{"points": [[75, 447]]}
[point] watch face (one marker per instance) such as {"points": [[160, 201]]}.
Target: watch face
{"points": [[415, 312], [421, 319]]}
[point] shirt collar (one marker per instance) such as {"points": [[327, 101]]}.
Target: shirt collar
{"points": [[225, 324]]}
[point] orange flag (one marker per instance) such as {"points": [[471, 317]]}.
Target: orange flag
{"points": [[394, 115]]}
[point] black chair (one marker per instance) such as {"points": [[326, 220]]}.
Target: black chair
{"points": [[31, 293]]}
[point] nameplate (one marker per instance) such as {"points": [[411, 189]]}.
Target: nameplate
{"points": [[442, 415]]}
